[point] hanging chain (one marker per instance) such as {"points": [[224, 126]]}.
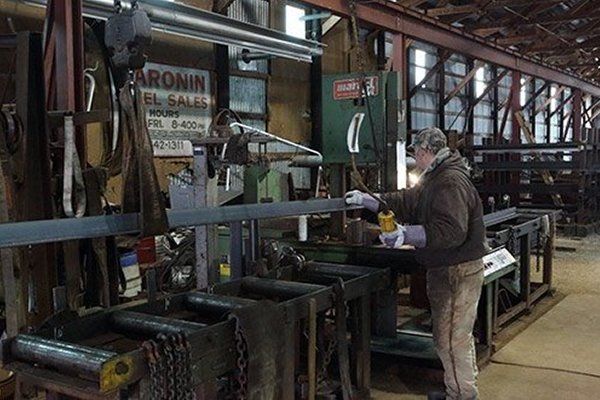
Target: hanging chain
{"points": [[512, 242], [186, 349], [241, 374], [355, 38], [327, 355], [170, 367], [155, 363]]}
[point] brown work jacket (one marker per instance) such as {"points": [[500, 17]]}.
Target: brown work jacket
{"points": [[448, 206]]}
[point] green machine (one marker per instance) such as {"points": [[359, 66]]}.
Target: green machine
{"points": [[377, 96]]}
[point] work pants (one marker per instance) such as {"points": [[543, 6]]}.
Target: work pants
{"points": [[453, 294]]}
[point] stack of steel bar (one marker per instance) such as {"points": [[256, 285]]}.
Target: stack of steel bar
{"points": [[545, 176]]}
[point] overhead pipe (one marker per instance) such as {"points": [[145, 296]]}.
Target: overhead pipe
{"points": [[191, 22]]}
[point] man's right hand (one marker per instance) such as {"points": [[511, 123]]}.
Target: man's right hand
{"points": [[358, 198], [355, 198]]}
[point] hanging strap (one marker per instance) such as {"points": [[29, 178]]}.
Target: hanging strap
{"points": [[141, 191], [72, 174]]}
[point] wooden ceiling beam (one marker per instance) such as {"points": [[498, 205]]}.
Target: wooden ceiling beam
{"points": [[412, 3], [540, 21], [516, 39], [453, 10], [553, 47]]}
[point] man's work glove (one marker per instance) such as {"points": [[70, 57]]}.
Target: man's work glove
{"points": [[358, 198], [395, 239], [413, 235]]}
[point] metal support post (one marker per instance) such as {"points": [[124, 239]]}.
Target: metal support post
{"points": [[205, 195], [316, 95], [548, 118], [549, 253], [515, 106], [441, 91], [525, 268], [533, 104], [495, 128], [361, 344], [470, 116], [254, 240], [396, 173], [236, 250], [386, 318], [577, 115], [337, 179]]}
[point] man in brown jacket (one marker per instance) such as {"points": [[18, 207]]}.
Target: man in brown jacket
{"points": [[444, 222]]}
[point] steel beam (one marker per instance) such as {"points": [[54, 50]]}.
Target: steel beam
{"points": [[499, 217], [56, 230], [396, 18], [577, 115]]}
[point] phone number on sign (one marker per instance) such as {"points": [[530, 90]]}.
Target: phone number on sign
{"points": [[187, 125], [168, 144]]}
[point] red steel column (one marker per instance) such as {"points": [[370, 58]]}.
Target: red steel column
{"points": [[577, 115], [515, 106]]}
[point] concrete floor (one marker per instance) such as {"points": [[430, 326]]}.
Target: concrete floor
{"points": [[556, 357]]}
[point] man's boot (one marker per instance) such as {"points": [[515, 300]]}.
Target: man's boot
{"points": [[436, 396]]}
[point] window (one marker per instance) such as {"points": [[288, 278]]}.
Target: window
{"points": [[553, 102], [294, 25], [587, 105], [420, 64], [523, 93], [480, 82]]}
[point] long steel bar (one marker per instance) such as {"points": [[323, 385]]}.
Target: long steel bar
{"points": [[499, 216], [56, 230], [214, 305], [194, 23], [53, 353], [151, 325], [273, 287], [396, 18]]}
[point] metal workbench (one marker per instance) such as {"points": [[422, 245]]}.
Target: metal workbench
{"points": [[518, 230]]}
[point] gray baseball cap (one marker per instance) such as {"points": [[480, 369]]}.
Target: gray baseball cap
{"points": [[431, 138]]}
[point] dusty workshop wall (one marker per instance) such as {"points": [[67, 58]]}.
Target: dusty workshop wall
{"points": [[288, 90], [337, 45], [340, 56], [289, 100]]}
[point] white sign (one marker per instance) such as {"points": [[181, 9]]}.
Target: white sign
{"points": [[497, 260], [179, 106]]}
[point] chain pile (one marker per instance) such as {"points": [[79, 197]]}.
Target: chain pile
{"points": [[169, 363]]}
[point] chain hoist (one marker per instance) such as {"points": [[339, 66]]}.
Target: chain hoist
{"points": [[127, 34]]}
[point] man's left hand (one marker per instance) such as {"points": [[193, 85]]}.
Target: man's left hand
{"points": [[393, 240]]}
